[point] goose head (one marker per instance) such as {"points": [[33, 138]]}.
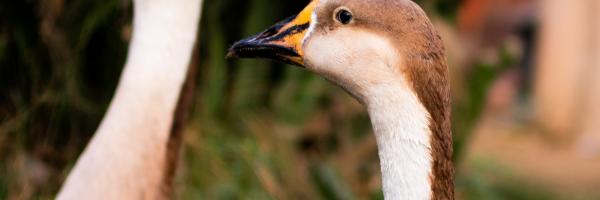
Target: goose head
{"points": [[359, 45], [387, 54]]}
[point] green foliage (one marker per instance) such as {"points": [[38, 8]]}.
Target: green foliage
{"points": [[59, 64], [328, 184]]}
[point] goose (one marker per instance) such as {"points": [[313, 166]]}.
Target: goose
{"points": [[386, 54], [131, 154]]}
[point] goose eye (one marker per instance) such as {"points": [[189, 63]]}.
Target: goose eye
{"points": [[343, 16]]}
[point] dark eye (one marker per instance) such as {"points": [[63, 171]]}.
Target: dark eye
{"points": [[343, 16]]}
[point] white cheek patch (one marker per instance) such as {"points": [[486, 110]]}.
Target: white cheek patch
{"points": [[352, 58], [350, 47]]}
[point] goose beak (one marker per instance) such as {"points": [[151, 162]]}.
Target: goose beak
{"points": [[282, 42]]}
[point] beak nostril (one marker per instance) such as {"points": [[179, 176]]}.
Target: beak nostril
{"points": [[269, 32], [276, 28]]}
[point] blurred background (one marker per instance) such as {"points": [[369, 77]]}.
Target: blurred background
{"points": [[525, 83]]}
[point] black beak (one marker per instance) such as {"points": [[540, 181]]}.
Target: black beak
{"points": [[281, 42]]}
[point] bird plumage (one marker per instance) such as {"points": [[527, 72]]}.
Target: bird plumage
{"points": [[391, 59]]}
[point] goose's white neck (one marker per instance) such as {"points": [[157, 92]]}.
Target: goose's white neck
{"points": [[401, 126], [126, 158]]}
